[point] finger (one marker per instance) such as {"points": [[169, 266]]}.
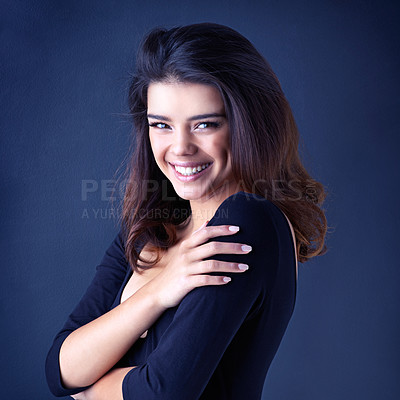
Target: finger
{"points": [[208, 232], [202, 226], [209, 249], [205, 280], [207, 266]]}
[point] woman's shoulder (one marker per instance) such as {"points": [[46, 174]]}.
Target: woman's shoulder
{"points": [[258, 218], [250, 209], [263, 226], [245, 198]]}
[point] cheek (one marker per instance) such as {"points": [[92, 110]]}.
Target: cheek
{"points": [[220, 148], [156, 146]]}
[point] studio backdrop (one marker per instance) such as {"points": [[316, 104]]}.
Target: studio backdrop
{"points": [[64, 134]]}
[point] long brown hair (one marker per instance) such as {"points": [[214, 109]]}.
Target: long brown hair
{"points": [[264, 138]]}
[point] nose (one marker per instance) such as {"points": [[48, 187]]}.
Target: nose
{"points": [[182, 142]]}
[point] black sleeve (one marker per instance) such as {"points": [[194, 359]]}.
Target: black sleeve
{"points": [[97, 300], [208, 317]]}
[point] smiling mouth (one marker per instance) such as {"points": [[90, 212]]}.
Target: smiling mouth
{"points": [[189, 171]]}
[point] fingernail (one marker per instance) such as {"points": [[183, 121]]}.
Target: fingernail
{"points": [[226, 279], [246, 248], [243, 267], [234, 228]]}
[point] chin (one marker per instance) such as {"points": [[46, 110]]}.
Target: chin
{"points": [[188, 192]]}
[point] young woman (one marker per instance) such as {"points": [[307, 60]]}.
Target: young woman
{"points": [[193, 297]]}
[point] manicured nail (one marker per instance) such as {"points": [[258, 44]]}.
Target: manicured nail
{"points": [[243, 267], [246, 248], [226, 279], [234, 228]]}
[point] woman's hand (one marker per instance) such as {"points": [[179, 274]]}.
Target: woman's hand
{"points": [[185, 270]]}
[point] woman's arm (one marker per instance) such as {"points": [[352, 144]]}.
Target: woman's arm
{"points": [[97, 301], [109, 387], [93, 349], [94, 338], [205, 322]]}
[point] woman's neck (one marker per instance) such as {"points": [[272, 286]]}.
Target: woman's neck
{"points": [[203, 210]]}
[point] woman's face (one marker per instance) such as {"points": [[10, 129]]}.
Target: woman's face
{"points": [[188, 130]]}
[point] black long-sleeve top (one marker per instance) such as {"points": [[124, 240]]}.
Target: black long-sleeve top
{"points": [[219, 341]]}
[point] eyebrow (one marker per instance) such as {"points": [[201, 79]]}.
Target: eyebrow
{"points": [[193, 118]]}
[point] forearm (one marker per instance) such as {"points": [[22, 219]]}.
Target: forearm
{"points": [[109, 387], [93, 349]]}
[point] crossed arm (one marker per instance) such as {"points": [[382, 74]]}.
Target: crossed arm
{"points": [[92, 350], [198, 354], [109, 387]]}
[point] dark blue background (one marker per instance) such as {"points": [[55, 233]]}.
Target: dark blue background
{"points": [[64, 72]]}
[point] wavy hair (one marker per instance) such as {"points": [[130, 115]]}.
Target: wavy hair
{"points": [[264, 138]]}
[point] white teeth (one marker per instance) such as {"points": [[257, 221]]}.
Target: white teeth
{"points": [[191, 171]]}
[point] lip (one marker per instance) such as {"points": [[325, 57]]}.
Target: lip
{"points": [[190, 178], [190, 164]]}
